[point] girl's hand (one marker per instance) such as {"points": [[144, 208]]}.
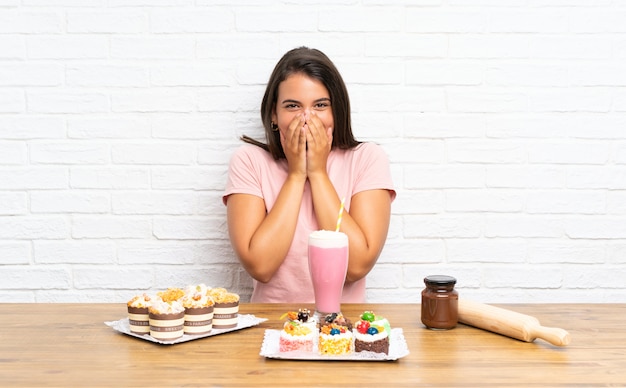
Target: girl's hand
{"points": [[318, 144], [293, 140]]}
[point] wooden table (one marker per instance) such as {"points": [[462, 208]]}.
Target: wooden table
{"points": [[66, 345]]}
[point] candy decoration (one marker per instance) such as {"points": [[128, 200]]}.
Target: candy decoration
{"points": [[372, 330], [334, 331], [362, 327], [368, 316]]}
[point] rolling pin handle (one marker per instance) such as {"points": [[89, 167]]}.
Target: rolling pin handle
{"points": [[553, 335]]}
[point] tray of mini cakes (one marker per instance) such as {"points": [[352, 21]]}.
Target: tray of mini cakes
{"points": [[183, 314], [370, 338]]}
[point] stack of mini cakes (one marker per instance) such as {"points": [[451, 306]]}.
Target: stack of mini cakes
{"points": [[195, 310]]}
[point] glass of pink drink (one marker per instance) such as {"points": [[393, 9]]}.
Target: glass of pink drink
{"points": [[328, 265]]}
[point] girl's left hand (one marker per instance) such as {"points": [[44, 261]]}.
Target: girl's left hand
{"points": [[318, 141]]}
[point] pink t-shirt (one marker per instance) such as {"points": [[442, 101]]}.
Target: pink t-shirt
{"points": [[253, 171]]}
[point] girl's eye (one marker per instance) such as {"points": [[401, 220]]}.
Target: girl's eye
{"points": [[322, 105], [291, 106]]}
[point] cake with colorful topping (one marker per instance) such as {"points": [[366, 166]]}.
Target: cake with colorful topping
{"points": [[198, 310], [371, 333], [298, 332], [335, 336], [167, 319], [138, 319]]}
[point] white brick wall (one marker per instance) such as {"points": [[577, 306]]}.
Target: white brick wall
{"points": [[505, 122]]}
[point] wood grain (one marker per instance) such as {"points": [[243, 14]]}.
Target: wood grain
{"points": [[65, 345]]}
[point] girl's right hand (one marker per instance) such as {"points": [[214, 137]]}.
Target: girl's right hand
{"points": [[293, 140]]}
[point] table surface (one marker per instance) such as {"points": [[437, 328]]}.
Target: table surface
{"points": [[69, 345]]}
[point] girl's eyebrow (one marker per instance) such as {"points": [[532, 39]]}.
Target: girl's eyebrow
{"points": [[298, 102]]}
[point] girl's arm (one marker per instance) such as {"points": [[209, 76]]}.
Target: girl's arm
{"points": [[261, 240]]}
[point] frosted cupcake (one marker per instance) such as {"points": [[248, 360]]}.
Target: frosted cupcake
{"points": [[226, 309], [198, 310], [138, 314], [167, 320]]}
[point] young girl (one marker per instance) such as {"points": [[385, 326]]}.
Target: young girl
{"points": [[280, 191]]}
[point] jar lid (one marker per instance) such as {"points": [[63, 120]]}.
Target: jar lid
{"points": [[439, 280]]}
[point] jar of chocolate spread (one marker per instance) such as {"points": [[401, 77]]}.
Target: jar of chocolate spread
{"points": [[440, 302]]}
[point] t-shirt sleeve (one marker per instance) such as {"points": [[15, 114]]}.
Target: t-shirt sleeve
{"points": [[374, 171], [243, 173]]}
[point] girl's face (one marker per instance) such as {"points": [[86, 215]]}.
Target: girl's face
{"points": [[298, 94]]}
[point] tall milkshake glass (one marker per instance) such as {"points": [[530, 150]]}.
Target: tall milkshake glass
{"points": [[328, 265]]}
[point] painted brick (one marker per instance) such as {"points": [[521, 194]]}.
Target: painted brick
{"points": [[34, 227], [492, 201], [109, 178], [67, 102], [190, 178], [12, 47], [31, 178], [68, 252], [487, 251], [159, 153], [24, 22], [124, 22], [69, 153], [108, 128], [42, 202], [217, 19], [31, 127], [34, 278], [18, 252], [12, 153], [114, 76], [12, 101], [111, 278], [114, 227], [162, 203]]}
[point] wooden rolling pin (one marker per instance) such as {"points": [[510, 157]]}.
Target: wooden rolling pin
{"points": [[509, 323]]}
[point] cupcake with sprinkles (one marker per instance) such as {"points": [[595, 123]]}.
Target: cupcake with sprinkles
{"points": [[371, 333], [299, 331], [335, 336]]}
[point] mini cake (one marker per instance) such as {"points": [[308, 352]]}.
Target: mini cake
{"points": [[335, 337], [371, 333], [198, 310], [167, 320], [138, 314], [298, 332], [226, 308]]}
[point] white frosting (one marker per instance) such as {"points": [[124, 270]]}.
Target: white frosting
{"points": [[369, 337], [328, 239], [167, 308]]}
